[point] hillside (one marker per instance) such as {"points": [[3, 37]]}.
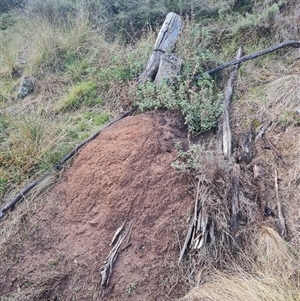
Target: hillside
{"points": [[68, 68]]}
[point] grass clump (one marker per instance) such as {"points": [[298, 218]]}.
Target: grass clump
{"points": [[84, 93]]}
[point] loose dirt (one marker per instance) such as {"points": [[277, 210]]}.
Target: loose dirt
{"points": [[124, 174]]}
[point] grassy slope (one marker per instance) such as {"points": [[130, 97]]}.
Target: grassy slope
{"points": [[82, 80]]}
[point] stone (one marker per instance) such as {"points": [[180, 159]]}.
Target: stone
{"points": [[26, 86]]}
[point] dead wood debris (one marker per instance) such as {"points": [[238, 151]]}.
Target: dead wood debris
{"points": [[106, 270], [235, 206], [227, 136], [199, 227], [280, 221], [263, 130]]}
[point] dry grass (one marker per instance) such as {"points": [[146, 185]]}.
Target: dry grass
{"points": [[274, 101], [268, 273], [42, 289], [10, 225]]}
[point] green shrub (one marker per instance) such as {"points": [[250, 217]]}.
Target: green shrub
{"points": [[198, 102]]}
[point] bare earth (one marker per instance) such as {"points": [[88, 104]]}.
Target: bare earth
{"points": [[124, 174]]}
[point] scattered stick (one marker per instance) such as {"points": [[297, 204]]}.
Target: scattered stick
{"points": [[248, 57], [196, 201], [197, 233], [119, 230], [263, 130], [187, 238], [106, 270], [280, 222], [276, 152]]}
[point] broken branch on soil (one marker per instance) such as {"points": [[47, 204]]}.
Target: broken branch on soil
{"points": [[280, 222], [119, 230], [106, 270], [251, 56], [187, 239]]}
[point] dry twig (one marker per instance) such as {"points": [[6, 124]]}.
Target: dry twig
{"points": [[106, 270]]}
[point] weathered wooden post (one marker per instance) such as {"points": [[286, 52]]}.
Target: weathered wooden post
{"points": [[161, 55]]}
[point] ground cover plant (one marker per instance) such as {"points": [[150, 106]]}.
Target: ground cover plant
{"points": [[85, 57]]}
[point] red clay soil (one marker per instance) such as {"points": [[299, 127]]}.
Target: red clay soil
{"points": [[124, 174]]}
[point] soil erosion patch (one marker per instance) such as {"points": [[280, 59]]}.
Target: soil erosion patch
{"points": [[124, 174]]}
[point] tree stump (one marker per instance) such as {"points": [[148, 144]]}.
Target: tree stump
{"points": [[169, 68], [165, 44]]}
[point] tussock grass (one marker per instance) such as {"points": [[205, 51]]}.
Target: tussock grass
{"points": [[267, 273], [244, 288]]}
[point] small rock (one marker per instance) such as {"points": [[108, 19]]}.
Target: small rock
{"points": [[26, 86]]}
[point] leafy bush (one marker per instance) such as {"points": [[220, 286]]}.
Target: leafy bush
{"points": [[199, 102]]}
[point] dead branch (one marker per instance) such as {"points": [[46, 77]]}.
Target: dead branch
{"points": [[197, 199], [235, 204], [22, 194], [227, 137], [263, 130], [187, 239], [119, 230], [251, 56], [280, 222]]}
